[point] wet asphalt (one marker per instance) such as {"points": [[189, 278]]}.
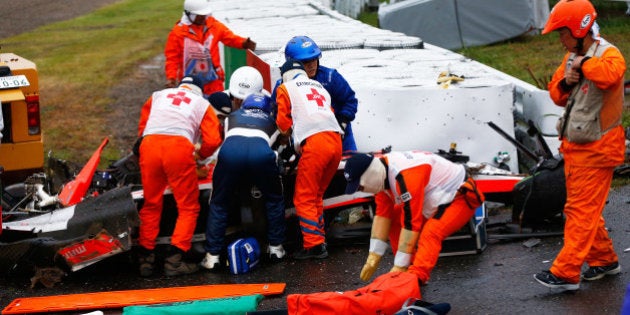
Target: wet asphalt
{"points": [[498, 280]]}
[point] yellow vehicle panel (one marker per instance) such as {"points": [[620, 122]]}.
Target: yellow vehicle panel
{"points": [[22, 146]]}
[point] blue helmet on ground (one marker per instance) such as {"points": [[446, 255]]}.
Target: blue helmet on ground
{"points": [[302, 48], [257, 101]]}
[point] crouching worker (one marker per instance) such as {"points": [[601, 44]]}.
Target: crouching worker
{"points": [[171, 121], [246, 154], [421, 198]]}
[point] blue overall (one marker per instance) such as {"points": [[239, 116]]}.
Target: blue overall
{"points": [[343, 100], [246, 154]]}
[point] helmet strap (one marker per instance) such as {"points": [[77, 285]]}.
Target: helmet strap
{"points": [[579, 46]]}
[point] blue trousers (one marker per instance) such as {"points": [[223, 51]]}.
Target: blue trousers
{"points": [[245, 158]]}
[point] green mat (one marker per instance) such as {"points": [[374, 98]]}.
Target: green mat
{"points": [[237, 305]]}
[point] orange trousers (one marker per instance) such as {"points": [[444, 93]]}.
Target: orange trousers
{"points": [[167, 161], [318, 164], [433, 232], [585, 235]]}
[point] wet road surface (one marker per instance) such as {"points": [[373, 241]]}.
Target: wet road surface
{"points": [[497, 281]]}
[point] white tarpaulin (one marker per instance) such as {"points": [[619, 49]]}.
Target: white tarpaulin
{"points": [[396, 77], [432, 119], [453, 24]]}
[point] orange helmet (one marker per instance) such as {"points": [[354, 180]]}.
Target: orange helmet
{"points": [[576, 15]]}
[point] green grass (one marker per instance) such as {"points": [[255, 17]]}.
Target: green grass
{"points": [[81, 59]]}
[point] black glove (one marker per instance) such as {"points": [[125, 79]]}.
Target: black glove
{"points": [[343, 122], [136, 147]]}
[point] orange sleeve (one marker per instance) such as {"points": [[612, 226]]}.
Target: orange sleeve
{"points": [[173, 52], [415, 180], [144, 115], [225, 35], [283, 119], [210, 135], [384, 206], [607, 70], [558, 95]]}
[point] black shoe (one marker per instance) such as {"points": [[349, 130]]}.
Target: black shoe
{"points": [[174, 264], [146, 262], [547, 279], [596, 273], [316, 252]]}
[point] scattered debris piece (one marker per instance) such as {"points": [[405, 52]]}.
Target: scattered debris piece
{"points": [[531, 242], [47, 276]]}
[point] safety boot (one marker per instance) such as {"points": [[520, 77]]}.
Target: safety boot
{"points": [[316, 252], [174, 264], [146, 262]]}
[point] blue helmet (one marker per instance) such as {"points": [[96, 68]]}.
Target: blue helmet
{"points": [[302, 48], [257, 101]]}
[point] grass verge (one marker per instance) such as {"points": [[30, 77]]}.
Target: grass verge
{"points": [[79, 60]]}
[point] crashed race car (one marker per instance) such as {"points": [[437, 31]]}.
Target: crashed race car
{"points": [[94, 215]]}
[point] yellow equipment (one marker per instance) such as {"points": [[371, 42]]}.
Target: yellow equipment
{"points": [[22, 147]]}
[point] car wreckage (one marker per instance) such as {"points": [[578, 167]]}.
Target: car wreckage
{"points": [[64, 220]]}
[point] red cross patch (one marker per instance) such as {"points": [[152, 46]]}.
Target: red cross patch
{"points": [[314, 96], [179, 98], [584, 88]]}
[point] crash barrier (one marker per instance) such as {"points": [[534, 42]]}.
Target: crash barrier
{"points": [[353, 8], [404, 85], [455, 24]]}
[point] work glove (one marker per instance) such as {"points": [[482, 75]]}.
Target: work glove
{"points": [[203, 171], [170, 83], [249, 44], [398, 269], [371, 264], [343, 123]]}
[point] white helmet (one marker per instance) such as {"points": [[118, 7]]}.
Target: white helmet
{"points": [[199, 7], [245, 81]]}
